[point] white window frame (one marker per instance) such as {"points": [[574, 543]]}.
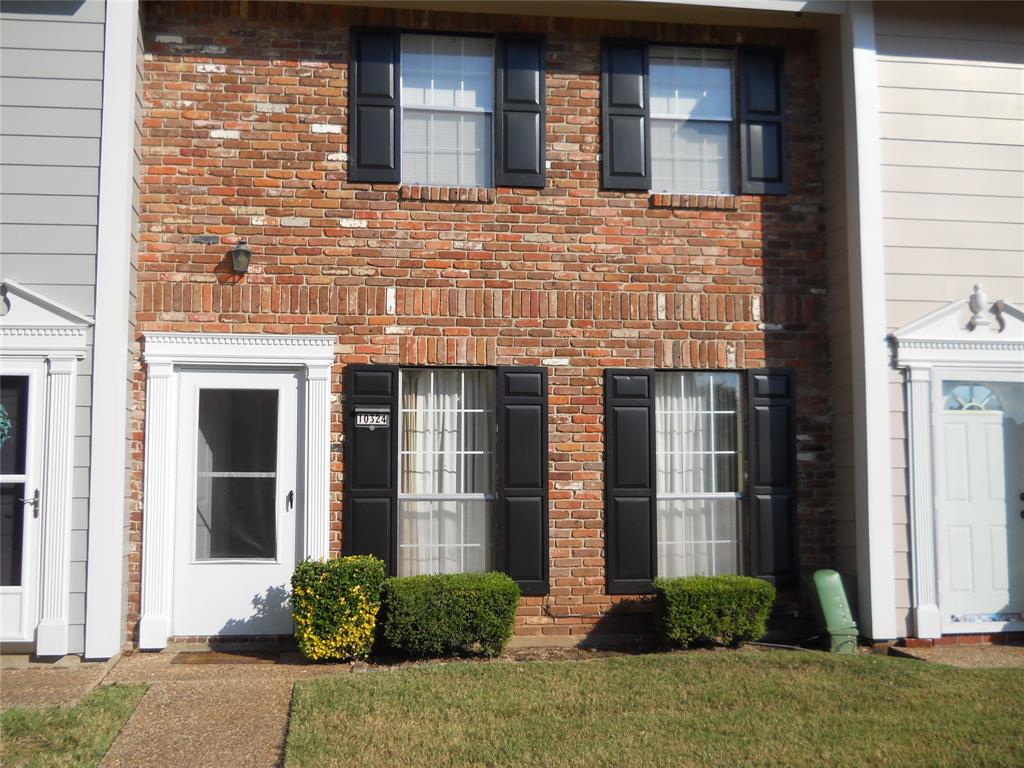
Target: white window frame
{"points": [[737, 495], [730, 121], [489, 150], [488, 498]]}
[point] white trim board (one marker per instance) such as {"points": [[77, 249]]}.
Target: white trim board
{"points": [[165, 354], [968, 336], [104, 605], [876, 589]]}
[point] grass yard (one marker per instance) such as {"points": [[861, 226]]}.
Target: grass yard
{"points": [[755, 708], [66, 737]]}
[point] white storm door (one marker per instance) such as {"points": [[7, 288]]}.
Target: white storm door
{"points": [[237, 502], [980, 537], [23, 395]]}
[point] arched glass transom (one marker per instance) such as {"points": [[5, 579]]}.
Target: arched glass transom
{"points": [[969, 396]]}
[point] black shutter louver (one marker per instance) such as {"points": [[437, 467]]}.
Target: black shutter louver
{"points": [[772, 450], [763, 166], [371, 492], [373, 106], [625, 116], [630, 549], [519, 124], [522, 540]]}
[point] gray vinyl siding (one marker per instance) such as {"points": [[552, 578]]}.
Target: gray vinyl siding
{"points": [[951, 115], [51, 69]]}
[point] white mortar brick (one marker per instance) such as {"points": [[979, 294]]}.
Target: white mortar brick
{"points": [[338, 156], [390, 295], [325, 128], [215, 68], [220, 133], [169, 39], [552, 361], [294, 221], [352, 223]]}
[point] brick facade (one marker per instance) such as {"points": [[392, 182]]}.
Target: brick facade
{"points": [[245, 137]]}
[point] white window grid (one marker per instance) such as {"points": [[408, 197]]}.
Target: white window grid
{"points": [[711, 541], [457, 110], [463, 496], [685, 56]]}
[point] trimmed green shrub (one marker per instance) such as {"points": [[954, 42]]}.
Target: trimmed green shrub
{"points": [[335, 605], [728, 610], [449, 614]]}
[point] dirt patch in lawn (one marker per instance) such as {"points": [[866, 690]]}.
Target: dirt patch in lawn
{"points": [[968, 656]]}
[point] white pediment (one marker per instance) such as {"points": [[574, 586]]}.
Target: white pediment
{"points": [[31, 323], [967, 332]]}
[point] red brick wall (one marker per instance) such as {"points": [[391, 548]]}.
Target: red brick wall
{"points": [[571, 277]]}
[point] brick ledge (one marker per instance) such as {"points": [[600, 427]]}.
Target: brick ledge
{"points": [[447, 194], [696, 202]]}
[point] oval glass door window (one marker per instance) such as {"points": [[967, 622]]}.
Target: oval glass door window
{"points": [[236, 474]]}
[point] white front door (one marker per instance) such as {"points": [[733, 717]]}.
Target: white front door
{"points": [[982, 533], [237, 505], [21, 440]]}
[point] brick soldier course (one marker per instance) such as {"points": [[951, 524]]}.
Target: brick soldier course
{"points": [[245, 137]]}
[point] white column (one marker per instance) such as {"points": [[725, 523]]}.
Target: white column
{"points": [[317, 522], [158, 506], [927, 621], [52, 634], [876, 565], [104, 608]]}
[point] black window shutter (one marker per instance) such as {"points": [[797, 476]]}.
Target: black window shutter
{"points": [[522, 540], [630, 546], [625, 116], [370, 514], [763, 162], [519, 127], [772, 450], [374, 134]]}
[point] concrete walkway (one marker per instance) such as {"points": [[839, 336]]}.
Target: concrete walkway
{"points": [[226, 709], [26, 683]]}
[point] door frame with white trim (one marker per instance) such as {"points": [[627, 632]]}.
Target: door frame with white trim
{"points": [[971, 339], [168, 358]]}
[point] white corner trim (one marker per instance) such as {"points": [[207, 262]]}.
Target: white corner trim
{"points": [[167, 353], [871, 439], [104, 606]]}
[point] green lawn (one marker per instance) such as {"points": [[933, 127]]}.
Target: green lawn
{"points": [[740, 708], [66, 737]]}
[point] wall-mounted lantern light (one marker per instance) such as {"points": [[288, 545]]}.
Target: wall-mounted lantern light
{"points": [[240, 257]]}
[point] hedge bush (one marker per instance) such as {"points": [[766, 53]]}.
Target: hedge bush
{"points": [[728, 610], [449, 614], [335, 605]]}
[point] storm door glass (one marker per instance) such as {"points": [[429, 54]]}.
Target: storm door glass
{"points": [[236, 474], [13, 444]]}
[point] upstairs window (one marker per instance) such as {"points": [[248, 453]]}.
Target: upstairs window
{"points": [[447, 110], [692, 116]]}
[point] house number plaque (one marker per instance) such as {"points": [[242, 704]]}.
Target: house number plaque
{"points": [[371, 419]]}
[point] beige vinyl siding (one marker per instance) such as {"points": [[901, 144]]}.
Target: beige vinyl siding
{"points": [[51, 64], [951, 103]]}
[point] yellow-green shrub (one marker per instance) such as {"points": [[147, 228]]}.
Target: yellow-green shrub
{"points": [[335, 605]]}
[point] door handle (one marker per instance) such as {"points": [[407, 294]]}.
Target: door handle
{"points": [[34, 501], [290, 500]]}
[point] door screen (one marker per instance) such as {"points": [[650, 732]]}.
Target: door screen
{"points": [[236, 474]]}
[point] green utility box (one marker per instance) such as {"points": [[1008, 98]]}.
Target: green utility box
{"points": [[835, 611]]}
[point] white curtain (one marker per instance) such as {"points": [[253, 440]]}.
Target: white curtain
{"points": [[697, 473], [446, 465]]}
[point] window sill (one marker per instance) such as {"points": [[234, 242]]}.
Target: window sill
{"points": [[447, 194], [695, 202]]}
